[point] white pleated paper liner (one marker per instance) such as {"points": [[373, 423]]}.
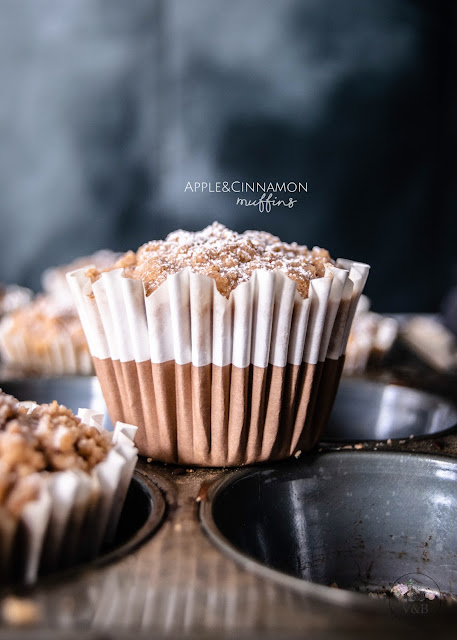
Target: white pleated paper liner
{"points": [[62, 356], [53, 279], [74, 515], [372, 336], [213, 381]]}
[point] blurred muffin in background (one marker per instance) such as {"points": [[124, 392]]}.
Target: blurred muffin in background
{"points": [[13, 297], [44, 336], [428, 338], [371, 338]]}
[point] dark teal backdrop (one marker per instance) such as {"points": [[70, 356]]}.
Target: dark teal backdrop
{"points": [[108, 108]]}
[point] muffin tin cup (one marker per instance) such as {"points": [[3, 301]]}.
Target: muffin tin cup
{"points": [[368, 522], [142, 514], [215, 381], [369, 411]]}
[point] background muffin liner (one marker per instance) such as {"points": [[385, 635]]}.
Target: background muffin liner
{"points": [[54, 279], [60, 357], [74, 515], [13, 297], [213, 381]]}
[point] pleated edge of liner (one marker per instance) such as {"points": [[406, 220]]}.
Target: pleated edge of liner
{"points": [[94, 499]]}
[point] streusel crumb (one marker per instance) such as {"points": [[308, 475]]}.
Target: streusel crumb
{"points": [[50, 438], [224, 255]]}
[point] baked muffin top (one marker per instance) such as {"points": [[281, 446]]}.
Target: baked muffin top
{"points": [[228, 257], [49, 438]]}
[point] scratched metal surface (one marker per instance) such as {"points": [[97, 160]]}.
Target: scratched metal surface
{"points": [[177, 584]]}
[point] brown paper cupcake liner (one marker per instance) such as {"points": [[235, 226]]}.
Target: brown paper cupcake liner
{"points": [[212, 381]]}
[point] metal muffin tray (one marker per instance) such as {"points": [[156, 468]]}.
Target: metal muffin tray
{"points": [[355, 520], [212, 553], [366, 410], [143, 512]]}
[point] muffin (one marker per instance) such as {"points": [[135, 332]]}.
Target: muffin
{"points": [[13, 297], [371, 338], [224, 348], [45, 336], [63, 481]]}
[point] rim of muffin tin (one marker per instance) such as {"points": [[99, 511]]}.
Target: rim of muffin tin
{"points": [[155, 518], [329, 442], [336, 596]]}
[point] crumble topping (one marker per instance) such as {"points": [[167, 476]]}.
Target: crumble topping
{"points": [[49, 438], [228, 257]]}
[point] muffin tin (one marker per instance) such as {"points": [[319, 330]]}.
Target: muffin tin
{"points": [[368, 410], [143, 513], [354, 520], [251, 553]]}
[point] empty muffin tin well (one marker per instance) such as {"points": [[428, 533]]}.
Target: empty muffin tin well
{"points": [[366, 410], [356, 520]]}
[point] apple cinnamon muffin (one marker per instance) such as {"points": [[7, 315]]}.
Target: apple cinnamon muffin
{"points": [[52, 466], [225, 348], [228, 257], [45, 337]]}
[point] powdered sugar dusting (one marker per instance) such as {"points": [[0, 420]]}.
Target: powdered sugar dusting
{"points": [[224, 255]]}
